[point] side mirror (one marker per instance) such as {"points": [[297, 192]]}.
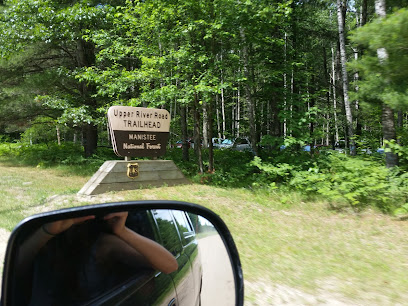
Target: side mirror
{"points": [[126, 253]]}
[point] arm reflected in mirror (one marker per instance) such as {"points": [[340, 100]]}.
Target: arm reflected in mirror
{"points": [[155, 254]]}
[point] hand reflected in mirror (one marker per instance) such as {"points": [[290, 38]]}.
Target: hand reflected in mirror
{"points": [[57, 227]]}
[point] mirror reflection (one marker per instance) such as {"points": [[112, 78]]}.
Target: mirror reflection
{"points": [[137, 257]]}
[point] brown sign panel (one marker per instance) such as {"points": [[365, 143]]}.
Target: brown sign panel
{"points": [[138, 131], [140, 144]]}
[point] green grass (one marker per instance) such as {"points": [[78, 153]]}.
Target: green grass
{"points": [[281, 239], [25, 188]]}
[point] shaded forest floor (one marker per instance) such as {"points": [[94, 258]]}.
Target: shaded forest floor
{"points": [[292, 251]]}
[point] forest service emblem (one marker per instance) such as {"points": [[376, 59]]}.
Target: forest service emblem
{"points": [[133, 170]]}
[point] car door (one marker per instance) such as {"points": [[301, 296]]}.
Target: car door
{"points": [[152, 288], [190, 246], [148, 287], [183, 278]]}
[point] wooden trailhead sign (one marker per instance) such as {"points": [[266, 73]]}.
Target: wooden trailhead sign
{"points": [[138, 131]]}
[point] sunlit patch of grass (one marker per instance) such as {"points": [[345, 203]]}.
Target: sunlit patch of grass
{"points": [[22, 188]]}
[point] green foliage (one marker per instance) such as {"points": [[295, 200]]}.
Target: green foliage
{"points": [[42, 130], [47, 154], [232, 168], [8, 149], [401, 151], [4, 139], [45, 44], [48, 22], [339, 178], [401, 211], [67, 155], [360, 182], [384, 81], [272, 173], [189, 168]]}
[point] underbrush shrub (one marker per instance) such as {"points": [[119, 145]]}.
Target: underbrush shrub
{"points": [[189, 168], [279, 166], [401, 151], [48, 154], [399, 188], [361, 182], [231, 168], [8, 149], [5, 139], [52, 154], [272, 173], [42, 130], [358, 181]]}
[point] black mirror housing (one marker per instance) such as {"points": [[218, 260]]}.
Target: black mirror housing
{"points": [[189, 240]]}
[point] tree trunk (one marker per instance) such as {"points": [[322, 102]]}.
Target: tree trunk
{"points": [[341, 12], [233, 119], [238, 112], [357, 51], [223, 112], [335, 60], [400, 124], [400, 119], [285, 85], [183, 123], [58, 135], [264, 127], [197, 135], [86, 58], [205, 126], [388, 120], [248, 94], [90, 144], [210, 136], [276, 124], [90, 137], [387, 117], [311, 104], [218, 117], [363, 12], [327, 75]]}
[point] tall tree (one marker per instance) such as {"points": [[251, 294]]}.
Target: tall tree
{"points": [[388, 120], [341, 14], [383, 67], [59, 29]]}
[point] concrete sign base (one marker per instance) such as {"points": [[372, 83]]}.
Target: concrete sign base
{"points": [[114, 175]]}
